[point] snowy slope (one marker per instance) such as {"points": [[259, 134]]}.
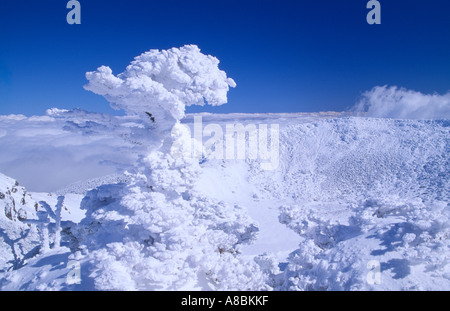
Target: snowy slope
{"points": [[365, 191], [358, 192], [355, 204]]}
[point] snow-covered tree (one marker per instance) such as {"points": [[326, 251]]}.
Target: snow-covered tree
{"points": [[163, 83], [156, 232]]}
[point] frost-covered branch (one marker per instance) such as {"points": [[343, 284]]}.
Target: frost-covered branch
{"points": [[42, 223], [44, 220], [58, 207]]}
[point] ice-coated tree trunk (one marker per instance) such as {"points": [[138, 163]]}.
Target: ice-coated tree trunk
{"points": [[58, 206], [45, 243], [42, 224]]}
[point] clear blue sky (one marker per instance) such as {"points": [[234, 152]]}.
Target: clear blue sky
{"points": [[286, 56]]}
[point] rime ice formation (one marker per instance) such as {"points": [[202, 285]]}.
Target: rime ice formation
{"points": [[163, 83]]}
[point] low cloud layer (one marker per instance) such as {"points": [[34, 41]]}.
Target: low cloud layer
{"points": [[400, 103], [45, 153]]}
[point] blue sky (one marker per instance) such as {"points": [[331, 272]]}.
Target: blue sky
{"points": [[286, 56]]}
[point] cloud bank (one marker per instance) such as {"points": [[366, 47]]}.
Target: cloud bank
{"points": [[45, 153], [400, 103]]}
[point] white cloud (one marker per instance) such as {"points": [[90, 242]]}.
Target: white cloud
{"points": [[399, 103]]}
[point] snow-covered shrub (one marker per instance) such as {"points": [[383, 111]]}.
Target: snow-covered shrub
{"points": [[43, 223], [311, 266], [422, 229], [394, 231], [18, 241], [161, 235], [311, 225]]}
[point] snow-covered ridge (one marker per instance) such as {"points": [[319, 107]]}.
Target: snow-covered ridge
{"points": [[82, 187]]}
